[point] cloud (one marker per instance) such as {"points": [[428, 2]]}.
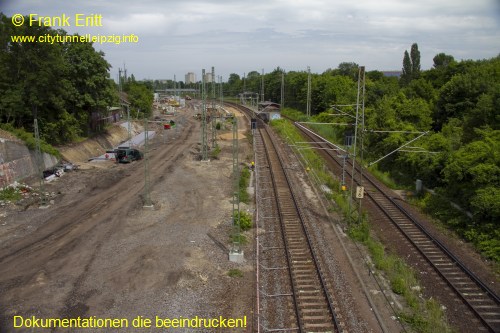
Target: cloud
{"points": [[237, 36]]}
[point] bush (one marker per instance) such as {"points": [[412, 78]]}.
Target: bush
{"points": [[243, 184], [238, 238], [245, 221], [29, 140], [214, 153]]}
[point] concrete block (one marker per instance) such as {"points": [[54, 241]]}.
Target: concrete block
{"points": [[236, 256]]}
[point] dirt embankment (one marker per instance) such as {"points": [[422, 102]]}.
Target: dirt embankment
{"points": [[97, 145]]}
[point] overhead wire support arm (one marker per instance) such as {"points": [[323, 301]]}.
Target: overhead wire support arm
{"points": [[325, 140], [395, 150], [342, 113], [382, 131], [313, 123]]}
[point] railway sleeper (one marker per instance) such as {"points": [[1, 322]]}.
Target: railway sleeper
{"points": [[304, 272], [294, 236], [311, 298], [316, 326], [312, 311], [306, 279], [311, 291], [301, 261], [303, 268], [317, 319], [299, 252], [309, 283]]}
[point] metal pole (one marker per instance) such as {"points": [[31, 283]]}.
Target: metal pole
{"points": [[262, 86], [221, 92], [282, 90], [362, 78], [214, 134], [308, 108], [236, 188], [204, 148], [354, 147], [129, 127], [40, 163], [147, 197]]}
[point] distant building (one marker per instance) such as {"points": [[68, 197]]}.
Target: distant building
{"points": [[392, 73], [190, 78], [208, 78], [269, 111]]}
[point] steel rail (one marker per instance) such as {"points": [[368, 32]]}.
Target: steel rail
{"points": [[439, 245]]}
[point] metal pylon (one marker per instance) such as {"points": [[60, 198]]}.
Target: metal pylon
{"points": [[213, 118], [308, 106], [236, 189], [40, 164], [360, 95], [204, 136], [147, 194]]}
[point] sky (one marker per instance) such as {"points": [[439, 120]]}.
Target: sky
{"points": [[179, 36]]}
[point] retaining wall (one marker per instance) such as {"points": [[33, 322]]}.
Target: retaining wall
{"points": [[17, 162]]}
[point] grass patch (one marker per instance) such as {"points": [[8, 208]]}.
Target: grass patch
{"points": [[10, 194], [384, 177], [234, 272]]}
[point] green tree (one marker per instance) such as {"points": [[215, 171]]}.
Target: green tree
{"points": [[60, 84], [407, 67], [349, 69], [415, 61], [442, 60], [91, 89], [472, 174], [234, 85], [411, 65], [140, 98]]}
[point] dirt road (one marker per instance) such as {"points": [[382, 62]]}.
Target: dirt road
{"points": [[96, 252]]}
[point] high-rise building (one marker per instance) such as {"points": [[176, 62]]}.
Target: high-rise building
{"points": [[208, 78], [190, 78]]}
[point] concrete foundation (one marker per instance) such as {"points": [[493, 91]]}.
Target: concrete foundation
{"points": [[236, 256], [148, 207]]}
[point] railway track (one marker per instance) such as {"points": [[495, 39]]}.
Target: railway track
{"points": [[315, 311], [483, 303]]}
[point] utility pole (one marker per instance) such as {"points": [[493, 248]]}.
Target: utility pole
{"points": [[244, 83], [282, 90], [354, 155], [221, 92], [362, 80], [213, 118], [147, 194], [40, 164], [308, 107], [236, 254], [262, 86], [204, 139], [129, 127]]}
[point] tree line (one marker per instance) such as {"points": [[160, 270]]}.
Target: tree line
{"points": [[456, 102], [63, 85]]}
